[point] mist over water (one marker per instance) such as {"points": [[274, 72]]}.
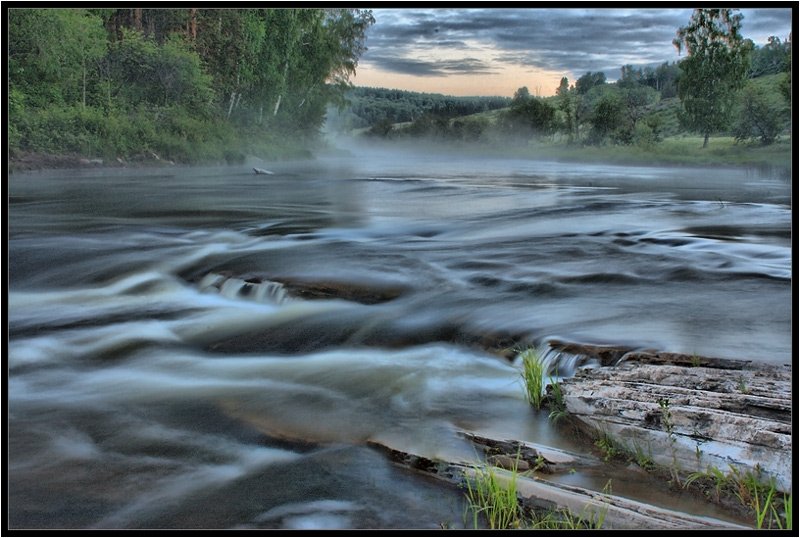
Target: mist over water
{"points": [[165, 372]]}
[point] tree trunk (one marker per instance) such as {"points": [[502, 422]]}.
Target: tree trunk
{"points": [[84, 83], [192, 24], [277, 106], [137, 19], [705, 141], [230, 105]]}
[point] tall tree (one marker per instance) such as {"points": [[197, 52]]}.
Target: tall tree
{"points": [[567, 101], [714, 69]]}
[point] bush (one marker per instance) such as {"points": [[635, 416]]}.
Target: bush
{"points": [[643, 135]]}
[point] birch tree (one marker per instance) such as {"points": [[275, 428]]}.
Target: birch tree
{"points": [[713, 71]]}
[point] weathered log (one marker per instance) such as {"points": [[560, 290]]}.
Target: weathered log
{"points": [[262, 171], [537, 494], [691, 418], [522, 456]]}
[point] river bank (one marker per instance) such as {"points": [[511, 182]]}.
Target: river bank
{"points": [[686, 151], [672, 151]]}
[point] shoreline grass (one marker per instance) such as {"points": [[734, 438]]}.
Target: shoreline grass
{"points": [[495, 501]]}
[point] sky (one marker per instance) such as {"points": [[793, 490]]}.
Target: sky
{"points": [[495, 51]]}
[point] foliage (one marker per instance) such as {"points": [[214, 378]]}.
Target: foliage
{"points": [[606, 117], [530, 115], [641, 458], [533, 377], [494, 499], [185, 76], [558, 407], [714, 69], [608, 447], [772, 58], [588, 81], [140, 71], [759, 495], [663, 78], [52, 53], [757, 117]]}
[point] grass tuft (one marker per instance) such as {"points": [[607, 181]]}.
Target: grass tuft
{"points": [[768, 509], [558, 407], [533, 377], [494, 500]]}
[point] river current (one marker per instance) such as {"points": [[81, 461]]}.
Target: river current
{"points": [[165, 370]]}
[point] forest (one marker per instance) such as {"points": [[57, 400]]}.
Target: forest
{"points": [[176, 84]]}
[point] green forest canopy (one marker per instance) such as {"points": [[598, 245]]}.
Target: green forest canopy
{"points": [[117, 81]]}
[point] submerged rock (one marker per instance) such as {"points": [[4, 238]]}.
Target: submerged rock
{"points": [[690, 413]]}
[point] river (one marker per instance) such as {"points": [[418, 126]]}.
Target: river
{"points": [[161, 376]]}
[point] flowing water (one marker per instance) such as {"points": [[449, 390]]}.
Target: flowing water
{"points": [[162, 372]]}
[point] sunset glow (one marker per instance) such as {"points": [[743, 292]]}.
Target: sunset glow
{"points": [[471, 52]]}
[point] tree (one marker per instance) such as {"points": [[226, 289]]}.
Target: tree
{"points": [[607, 117], [588, 81], [772, 58], [714, 69], [132, 68], [521, 95], [144, 72], [756, 119], [666, 79], [532, 115], [785, 86], [568, 105], [636, 101]]}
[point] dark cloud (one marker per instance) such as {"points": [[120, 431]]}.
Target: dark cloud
{"points": [[429, 68], [759, 24], [563, 40]]}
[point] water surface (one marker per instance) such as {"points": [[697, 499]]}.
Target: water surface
{"points": [[161, 376]]}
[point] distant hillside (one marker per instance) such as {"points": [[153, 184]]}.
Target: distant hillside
{"points": [[371, 106]]}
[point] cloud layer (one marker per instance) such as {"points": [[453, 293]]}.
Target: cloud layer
{"points": [[441, 42]]}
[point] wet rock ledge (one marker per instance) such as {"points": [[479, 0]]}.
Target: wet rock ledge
{"points": [[690, 413]]}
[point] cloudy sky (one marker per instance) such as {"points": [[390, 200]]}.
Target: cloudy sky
{"points": [[494, 51]]}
